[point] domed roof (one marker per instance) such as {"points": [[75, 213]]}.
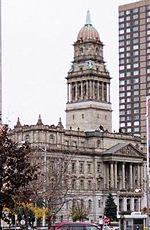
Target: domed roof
{"points": [[88, 32]]}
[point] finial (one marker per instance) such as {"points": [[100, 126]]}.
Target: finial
{"points": [[88, 18], [18, 124], [39, 120], [60, 123]]}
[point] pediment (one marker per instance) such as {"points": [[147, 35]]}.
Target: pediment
{"points": [[124, 150], [130, 151]]}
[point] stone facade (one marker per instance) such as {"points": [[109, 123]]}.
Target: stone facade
{"points": [[101, 161]]}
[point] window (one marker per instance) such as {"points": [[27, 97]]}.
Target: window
{"points": [[129, 87], [121, 19], [90, 204], [128, 74], [121, 31], [121, 75], [122, 118], [122, 94], [121, 55], [135, 10], [135, 72], [121, 82], [89, 185], [136, 123], [81, 167], [128, 99], [128, 111], [128, 81], [128, 48], [122, 88], [135, 35], [121, 37], [128, 123], [122, 125], [121, 49], [135, 16], [136, 110], [135, 47], [135, 28], [136, 98], [128, 18], [121, 67], [136, 129], [121, 61], [135, 65], [128, 106], [99, 203], [73, 167], [129, 130], [122, 100], [135, 80], [51, 138], [128, 66], [122, 106], [89, 168], [128, 30], [136, 92], [82, 184], [128, 94], [73, 184], [128, 118], [98, 167]]}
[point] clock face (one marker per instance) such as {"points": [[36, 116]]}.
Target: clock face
{"points": [[90, 65]]}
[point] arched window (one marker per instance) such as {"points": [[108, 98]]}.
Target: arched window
{"points": [[90, 204], [51, 139]]}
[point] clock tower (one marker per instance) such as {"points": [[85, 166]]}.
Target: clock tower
{"points": [[88, 104]]}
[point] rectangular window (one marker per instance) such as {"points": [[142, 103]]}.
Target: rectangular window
{"points": [[81, 167], [73, 167], [89, 168]]}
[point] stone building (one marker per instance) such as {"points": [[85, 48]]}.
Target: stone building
{"points": [[102, 161]]}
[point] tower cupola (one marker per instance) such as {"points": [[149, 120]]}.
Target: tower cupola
{"points": [[88, 93]]}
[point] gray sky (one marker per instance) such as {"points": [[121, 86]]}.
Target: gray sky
{"points": [[37, 38]]}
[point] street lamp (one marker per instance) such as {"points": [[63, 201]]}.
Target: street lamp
{"points": [[44, 150]]}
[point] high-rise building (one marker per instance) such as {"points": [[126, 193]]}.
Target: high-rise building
{"points": [[134, 66], [0, 70]]}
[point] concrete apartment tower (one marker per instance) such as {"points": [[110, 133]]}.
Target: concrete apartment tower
{"points": [[134, 66], [88, 101], [0, 69]]}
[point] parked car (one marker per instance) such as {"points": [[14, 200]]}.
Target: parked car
{"points": [[42, 228], [74, 226]]}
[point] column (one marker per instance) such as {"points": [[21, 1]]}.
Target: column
{"points": [[68, 92], [76, 91], [90, 90], [123, 175], [142, 185], [138, 176], [131, 177], [125, 204], [93, 89], [102, 91], [112, 175], [98, 90], [115, 175], [107, 174], [81, 90], [87, 91]]}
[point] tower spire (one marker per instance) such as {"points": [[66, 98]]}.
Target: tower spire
{"points": [[88, 18]]}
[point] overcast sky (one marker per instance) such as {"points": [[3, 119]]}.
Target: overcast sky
{"points": [[37, 38]]}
